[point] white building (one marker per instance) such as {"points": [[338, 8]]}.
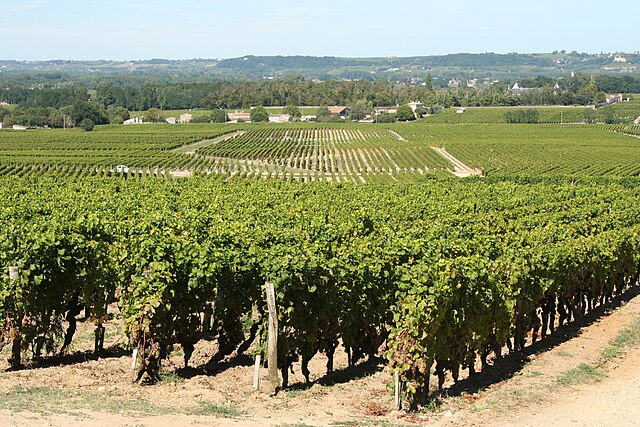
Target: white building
{"points": [[171, 120], [186, 118], [19, 127], [280, 118], [388, 110], [239, 116], [611, 98], [1, 125], [415, 105], [133, 121]]}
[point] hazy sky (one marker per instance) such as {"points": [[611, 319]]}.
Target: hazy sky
{"points": [[144, 29]]}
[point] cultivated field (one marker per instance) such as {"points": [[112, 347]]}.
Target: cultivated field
{"points": [[386, 268], [313, 152]]}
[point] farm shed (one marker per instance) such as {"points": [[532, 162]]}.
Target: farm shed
{"points": [[390, 110], [280, 118], [340, 111], [239, 117]]}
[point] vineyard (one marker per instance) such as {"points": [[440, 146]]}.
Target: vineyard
{"points": [[146, 150], [495, 115], [312, 152], [437, 272], [570, 150], [343, 153]]}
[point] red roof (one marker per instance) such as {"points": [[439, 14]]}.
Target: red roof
{"points": [[337, 110]]}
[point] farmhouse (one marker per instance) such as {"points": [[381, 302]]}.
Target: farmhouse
{"points": [[611, 98], [133, 121], [239, 117], [186, 118], [19, 127], [415, 105], [280, 118], [339, 111], [388, 110], [171, 120]]}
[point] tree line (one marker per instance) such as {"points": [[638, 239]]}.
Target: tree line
{"points": [[109, 100]]}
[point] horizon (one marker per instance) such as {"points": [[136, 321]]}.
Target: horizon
{"points": [[122, 30], [637, 52]]}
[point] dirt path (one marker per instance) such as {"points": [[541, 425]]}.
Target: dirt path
{"points": [[79, 391], [569, 385], [459, 168], [397, 135], [191, 148]]}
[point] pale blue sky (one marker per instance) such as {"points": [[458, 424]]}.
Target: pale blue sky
{"points": [[144, 29]]}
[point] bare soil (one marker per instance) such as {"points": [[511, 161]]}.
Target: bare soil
{"points": [[74, 390], [539, 393]]}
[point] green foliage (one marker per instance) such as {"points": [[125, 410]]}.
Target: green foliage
{"points": [[87, 110], [405, 113], [360, 110], [522, 116], [590, 116], [153, 115], [117, 115], [385, 118], [259, 114], [293, 111], [87, 125], [581, 374], [438, 264], [219, 116], [421, 112]]}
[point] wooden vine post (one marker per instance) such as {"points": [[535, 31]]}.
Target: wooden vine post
{"points": [[13, 273], [134, 364], [272, 337], [397, 390], [16, 346], [256, 368], [519, 341], [134, 355]]}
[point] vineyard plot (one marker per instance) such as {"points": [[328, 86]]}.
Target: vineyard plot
{"points": [[344, 153], [534, 150]]}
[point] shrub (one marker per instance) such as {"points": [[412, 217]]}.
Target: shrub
{"points": [[87, 125], [522, 116]]}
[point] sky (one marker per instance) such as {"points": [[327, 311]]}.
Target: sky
{"points": [[146, 29]]}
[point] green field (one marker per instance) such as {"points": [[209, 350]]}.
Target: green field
{"points": [[368, 239], [326, 152], [536, 149], [629, 110], [497, 115]]}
